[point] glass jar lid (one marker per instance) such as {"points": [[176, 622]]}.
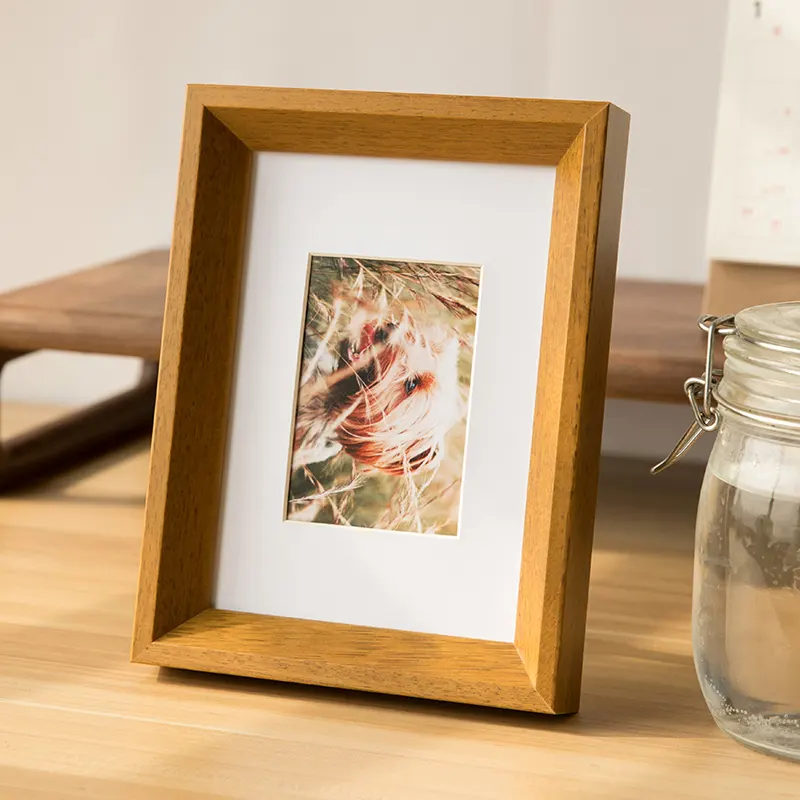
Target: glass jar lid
{"points": [[760, 381], [761, 373], [775, 325]]}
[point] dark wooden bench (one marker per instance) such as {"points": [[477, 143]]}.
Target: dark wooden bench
{"points": [[117, 309], [655, 342], [113, 309]]}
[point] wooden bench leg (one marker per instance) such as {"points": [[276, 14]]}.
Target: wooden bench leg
{"points": [[79, 436]]}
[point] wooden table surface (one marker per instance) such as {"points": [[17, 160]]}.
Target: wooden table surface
{"points": [[77, 720]]}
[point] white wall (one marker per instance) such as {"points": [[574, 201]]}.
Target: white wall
{"points": [[93, 96], [662, 62]]}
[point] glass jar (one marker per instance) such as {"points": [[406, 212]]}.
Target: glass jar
{"points": [[746, 600]]}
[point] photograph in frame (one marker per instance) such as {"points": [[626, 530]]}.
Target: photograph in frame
{"points": [[383, 394]]}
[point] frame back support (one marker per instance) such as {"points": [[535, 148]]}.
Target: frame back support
{"points": [[175, 624]]}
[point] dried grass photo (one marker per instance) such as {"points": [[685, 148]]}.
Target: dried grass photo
{"points": [[383, 393]]}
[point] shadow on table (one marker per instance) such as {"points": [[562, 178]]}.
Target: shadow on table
{"points": [[638, 671], [635, 675], [609, 707], [78, 484]]}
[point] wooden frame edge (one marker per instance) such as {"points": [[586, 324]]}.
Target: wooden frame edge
{"points": [[385, 124], [167, 632], [350, 657], [209, 196], [555, 572]]}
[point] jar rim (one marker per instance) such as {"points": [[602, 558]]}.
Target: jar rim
{"points": [[775, 326], [769, 419]]}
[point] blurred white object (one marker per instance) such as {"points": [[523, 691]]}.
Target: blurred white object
{"points": [[754, 213]]}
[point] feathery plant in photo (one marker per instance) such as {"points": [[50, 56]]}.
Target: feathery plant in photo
{"points": [[383, 391]]}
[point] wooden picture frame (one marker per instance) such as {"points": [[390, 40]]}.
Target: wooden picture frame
{"points": [[175, 624]]}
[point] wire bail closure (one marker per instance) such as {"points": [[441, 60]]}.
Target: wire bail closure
{"points": [[700, 391]]}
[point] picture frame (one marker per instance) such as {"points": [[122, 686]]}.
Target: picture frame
{"points": [[177, 623]]}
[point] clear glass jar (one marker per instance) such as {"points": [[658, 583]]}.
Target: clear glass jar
{"points": [[746, 608]]}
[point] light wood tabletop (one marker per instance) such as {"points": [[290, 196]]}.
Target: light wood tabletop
{"points": [[78, 720]]}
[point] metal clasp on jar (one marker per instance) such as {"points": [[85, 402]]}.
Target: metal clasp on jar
{"points": [[700, 391]]}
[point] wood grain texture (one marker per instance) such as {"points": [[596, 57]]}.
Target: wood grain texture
{"points": [[537, 672], [115, 308], [487, 129], [78, 720], [351, 657], [655, 342], [196, 371], [569, 408], [604, 244]]}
